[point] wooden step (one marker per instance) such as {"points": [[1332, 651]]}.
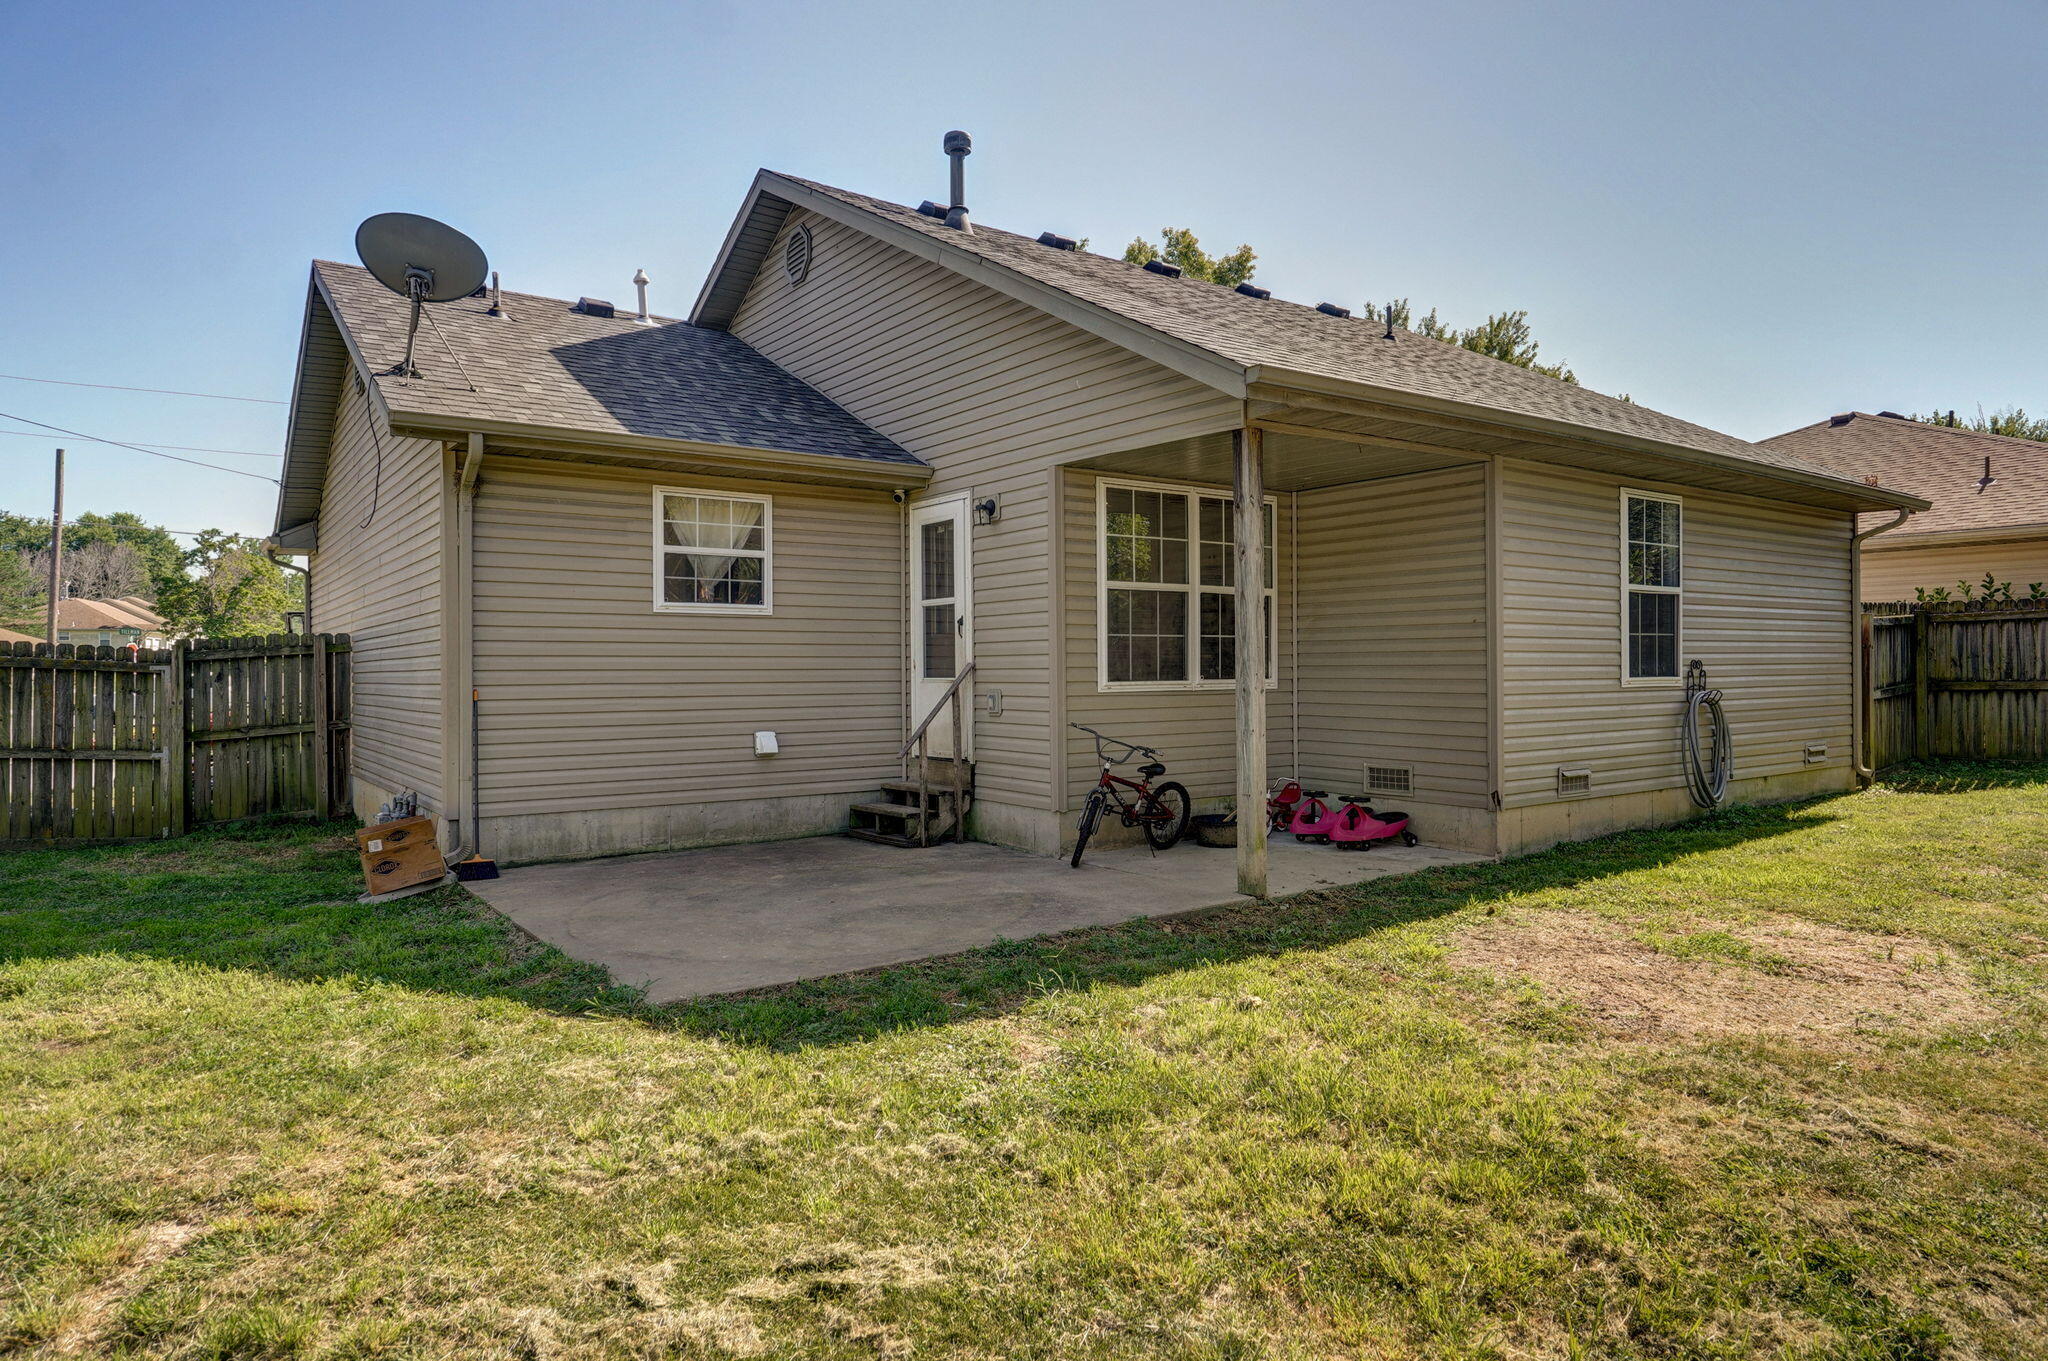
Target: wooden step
{"points": [[906, 812], [938, 791], [885, 838]]}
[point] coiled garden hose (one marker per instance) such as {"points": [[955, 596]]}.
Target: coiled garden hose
{"points": [[1706, 774]]}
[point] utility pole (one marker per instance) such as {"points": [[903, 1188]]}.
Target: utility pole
{"points": [[56, 554]]}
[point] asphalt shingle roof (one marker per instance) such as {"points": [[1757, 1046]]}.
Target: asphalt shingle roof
{"points": [[549, 365], [1268, 331], [1937, 462]]}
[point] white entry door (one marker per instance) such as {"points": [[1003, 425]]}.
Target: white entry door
{"points": [[941, 617]]}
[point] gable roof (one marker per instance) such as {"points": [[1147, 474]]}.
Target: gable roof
{"points": [[1937, 462], [548, 368], [77, 612], [1232, 340]]}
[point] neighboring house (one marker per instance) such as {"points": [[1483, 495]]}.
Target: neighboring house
{"points": [[126, 622], [15, 636], [1989, 498], [882, 447]]}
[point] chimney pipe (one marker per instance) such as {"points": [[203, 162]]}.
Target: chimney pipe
{"points": [[640, 281], [959, 146]]}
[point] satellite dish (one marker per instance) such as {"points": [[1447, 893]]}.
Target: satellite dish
{"points": [[421, 259]]}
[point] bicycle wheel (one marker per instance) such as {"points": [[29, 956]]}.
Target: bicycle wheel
{"points": [[1091, 814], [1167, 812]]}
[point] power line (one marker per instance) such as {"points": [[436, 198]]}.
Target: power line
{"points": [[153, 453], [163, 392], [188, 448]]}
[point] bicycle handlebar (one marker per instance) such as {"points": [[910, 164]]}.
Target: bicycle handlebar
{"points": [[1130, 748]]}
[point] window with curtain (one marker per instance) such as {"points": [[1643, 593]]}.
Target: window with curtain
{"points": [[1654, 588], [711, 552], [1168, 593]]}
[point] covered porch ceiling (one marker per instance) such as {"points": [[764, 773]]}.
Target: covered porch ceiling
{"points": [[1314, 439]]}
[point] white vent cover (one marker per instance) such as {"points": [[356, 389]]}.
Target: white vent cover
{"points": [[796, 254], [1389, 779], [1574, 780]]}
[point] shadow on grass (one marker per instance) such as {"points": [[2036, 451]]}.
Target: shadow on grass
{"points": [[280, 898], [1962, 777]]}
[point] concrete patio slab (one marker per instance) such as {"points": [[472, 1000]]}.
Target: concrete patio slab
{"points": [[726, 918]]}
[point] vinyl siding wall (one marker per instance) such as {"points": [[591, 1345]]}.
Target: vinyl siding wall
{"points": [[994, 395], [1766, 608], [1394, 645], [1194, 729], [1891, 573], [380, 583], [609, 725]]}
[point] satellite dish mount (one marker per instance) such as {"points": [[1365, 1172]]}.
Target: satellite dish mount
{"points": [[423, 261]]}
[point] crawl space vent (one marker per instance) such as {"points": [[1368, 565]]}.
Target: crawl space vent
{"points": [[1389, 779], [796, 255], [1574, 781]]}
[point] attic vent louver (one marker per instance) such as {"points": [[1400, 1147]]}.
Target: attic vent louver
{"points": [[594, 307], [1161, 267], [1254, 291], [796, 255], [1056, 241], [1330, 309]]}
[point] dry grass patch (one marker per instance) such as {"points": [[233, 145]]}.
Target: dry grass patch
{"points": [[88, 1315], [1793, 979]]}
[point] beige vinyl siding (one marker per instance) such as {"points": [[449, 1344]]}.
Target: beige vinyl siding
{"points": [[593, 700], [1765, 607], [993, 394], [1891, 572], [1394, 643], [1195, 730], [380, 583]]}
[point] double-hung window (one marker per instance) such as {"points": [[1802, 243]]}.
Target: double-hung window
{"points": [[711, 552], [1168, 601], [1653, 585]]}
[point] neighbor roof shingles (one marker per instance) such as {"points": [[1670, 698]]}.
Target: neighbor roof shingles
{"points": [[1937, 462], [549, 365], [1270, 332]]}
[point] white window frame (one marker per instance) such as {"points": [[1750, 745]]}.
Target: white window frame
{"points": [[1628, 588], [766, 553], [1192, 588]]}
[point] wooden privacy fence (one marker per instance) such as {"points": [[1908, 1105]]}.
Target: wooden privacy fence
{"points": [[108, 744], [1957, 681]]}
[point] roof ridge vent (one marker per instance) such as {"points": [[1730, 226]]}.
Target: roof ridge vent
{"points": [[930, 209], [1161, 267], [1843, 419], [1891, 415], [594, 307], [1254, 291], [1330, 309], [1056, 241]]}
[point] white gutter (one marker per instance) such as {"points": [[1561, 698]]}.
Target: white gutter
{"points": [[1859, 721]]}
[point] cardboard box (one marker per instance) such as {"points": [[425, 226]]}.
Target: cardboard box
{"points": [[399, 855]]}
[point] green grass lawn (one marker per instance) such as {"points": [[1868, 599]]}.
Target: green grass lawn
{"points": [[1772, 1084]]}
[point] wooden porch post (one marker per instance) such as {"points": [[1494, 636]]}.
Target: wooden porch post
{"points": [[1249, 532]]}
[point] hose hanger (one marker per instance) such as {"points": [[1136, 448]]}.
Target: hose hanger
{"points": [[1706, 773]]}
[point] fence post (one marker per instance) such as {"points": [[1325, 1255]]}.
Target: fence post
{"points": [[1923, 707], [323, 784], [171, 735]]}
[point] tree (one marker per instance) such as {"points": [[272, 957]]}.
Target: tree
{"points": [[99, 569], [1179, 246], [228, 588], [89, 539], [1504, 336], [21, 594], [2012, 421]]}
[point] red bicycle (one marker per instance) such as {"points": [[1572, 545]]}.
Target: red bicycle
{"points": [[1161, 810]]}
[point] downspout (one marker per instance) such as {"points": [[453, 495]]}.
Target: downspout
{"points": [[1859, 724], [272, 551], [462, 637]]}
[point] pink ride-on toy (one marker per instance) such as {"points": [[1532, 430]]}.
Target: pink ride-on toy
{"points": [[1312, 817], [1356, 827]]}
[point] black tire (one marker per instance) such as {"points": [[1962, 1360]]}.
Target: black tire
{"points": [[1091, 817], [1171, 799], [1409, 839]]}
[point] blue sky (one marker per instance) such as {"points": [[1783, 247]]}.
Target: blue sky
{"points": [[1747, 215]]}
